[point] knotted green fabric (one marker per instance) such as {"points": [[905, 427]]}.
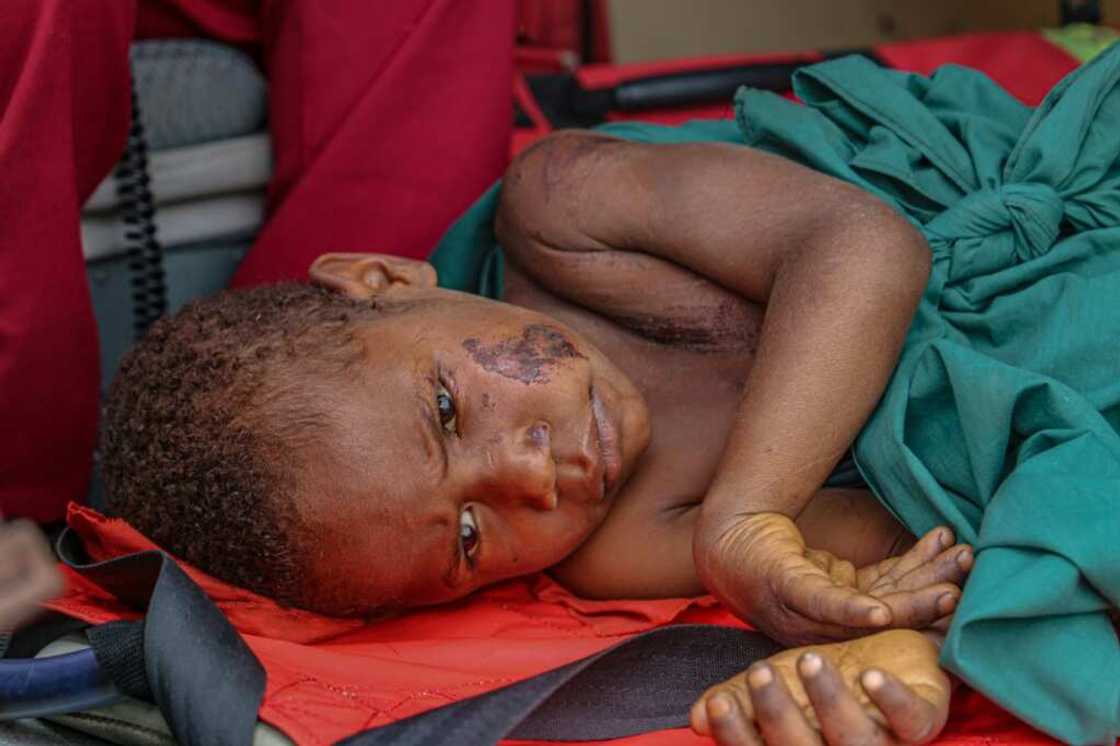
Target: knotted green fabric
{"points": [[1002, 417]]}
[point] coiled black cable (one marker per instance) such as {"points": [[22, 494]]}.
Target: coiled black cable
{"points": [[145, 253]]}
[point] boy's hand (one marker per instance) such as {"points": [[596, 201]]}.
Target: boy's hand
{"points": [[811, 696], [28, 574], [765, 574]]}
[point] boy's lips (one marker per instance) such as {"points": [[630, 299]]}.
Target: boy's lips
{"points": [[607, 440]]}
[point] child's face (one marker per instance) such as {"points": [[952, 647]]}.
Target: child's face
{"points": [[480, 441]]}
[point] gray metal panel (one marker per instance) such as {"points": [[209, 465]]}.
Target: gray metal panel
{"points": [[192, 271]]}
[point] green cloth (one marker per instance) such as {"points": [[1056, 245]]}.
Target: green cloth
{"points": [[1002, 417]]}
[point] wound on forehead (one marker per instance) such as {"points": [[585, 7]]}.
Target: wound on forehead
{"points": [[528, 358]]}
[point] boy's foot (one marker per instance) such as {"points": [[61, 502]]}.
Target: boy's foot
{"points": [[882, 689]]}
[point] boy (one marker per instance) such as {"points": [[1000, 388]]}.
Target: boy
{"points": [[652, 412]]}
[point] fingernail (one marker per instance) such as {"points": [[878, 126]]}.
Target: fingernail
{"points": [[719, 706], [878, 617], [759, 677], [943, 538], [946, 603], [810, 664], [873, 680], [964, 558]]}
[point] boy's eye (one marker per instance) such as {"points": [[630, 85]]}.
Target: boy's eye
{"points": [[469, 537], [445, 406]]}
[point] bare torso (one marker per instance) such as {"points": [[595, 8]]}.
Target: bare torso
{"points": [[689, 350]]}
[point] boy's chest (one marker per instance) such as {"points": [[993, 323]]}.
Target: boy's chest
{"points": [[693, 400]]}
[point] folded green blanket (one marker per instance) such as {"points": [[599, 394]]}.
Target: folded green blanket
{"points": [[1003, 416]]}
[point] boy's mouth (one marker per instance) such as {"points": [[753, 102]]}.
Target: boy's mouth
{"points": [[607, 440]]}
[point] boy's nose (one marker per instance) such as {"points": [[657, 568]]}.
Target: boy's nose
{"points": [[523, 469]]}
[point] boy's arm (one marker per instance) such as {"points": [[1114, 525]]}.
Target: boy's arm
{"points": [[644, 549], [840, 275]]}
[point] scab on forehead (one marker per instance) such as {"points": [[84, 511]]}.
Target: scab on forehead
{"points": [[529, 358]]}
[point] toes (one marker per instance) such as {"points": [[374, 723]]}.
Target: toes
{"points": [[734, 689], [780, 720], [842, 719], [910, 717], [728, 724]]}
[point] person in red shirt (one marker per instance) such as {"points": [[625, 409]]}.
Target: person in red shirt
{"points": [[373, 108]]}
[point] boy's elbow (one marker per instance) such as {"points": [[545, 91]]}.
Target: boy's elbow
{"points": [[551, 191], [910, 250], [882, 244], [531, 190]]}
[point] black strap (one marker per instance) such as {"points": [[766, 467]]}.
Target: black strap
{"points": [[28, 640], [119, 648], [566, 103], [201, 674], [187, 658], [646, 683]]}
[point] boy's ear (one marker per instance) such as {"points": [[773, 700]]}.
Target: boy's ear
{"points": [[366, 276]]}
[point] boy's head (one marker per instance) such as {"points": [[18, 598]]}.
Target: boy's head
{"points": [[385, 444]]}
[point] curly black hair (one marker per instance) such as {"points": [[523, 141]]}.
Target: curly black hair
{"points": [[205, 417]]}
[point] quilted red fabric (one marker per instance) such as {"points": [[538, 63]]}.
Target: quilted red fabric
{"points": [[329, 678]]}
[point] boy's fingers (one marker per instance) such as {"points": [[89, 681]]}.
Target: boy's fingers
{"points": [[779, 719], [910, 717], [924, 608], [929, 546], [842, 720], [942, 624], [920, 609], [950, 566], [727, 725], [814, 595]]}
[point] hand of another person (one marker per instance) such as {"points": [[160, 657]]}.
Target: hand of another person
{"points": [[800, 596], [28, 574], [810, 696]]}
